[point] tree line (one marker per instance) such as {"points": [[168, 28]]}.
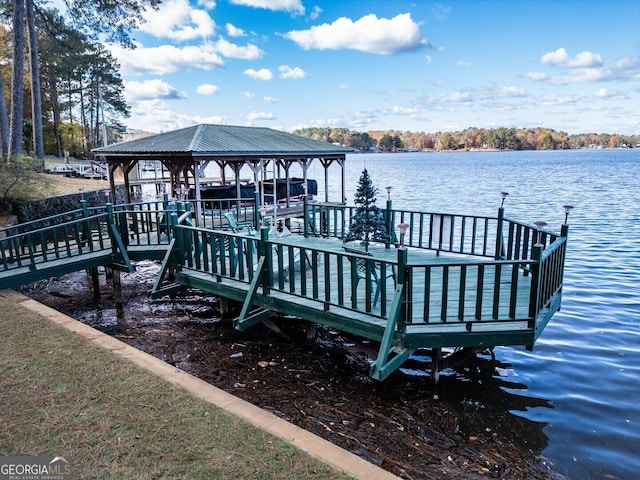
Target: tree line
{"points": [[64, 88], [469, 139]]}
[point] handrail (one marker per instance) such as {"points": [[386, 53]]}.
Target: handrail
{"points": [[442, 232], [224, 254], [476, 235], [41, 222], [550, 272], [63, 240], [443, 292]]}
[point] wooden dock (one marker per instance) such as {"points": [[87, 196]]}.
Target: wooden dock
{"points": [[455, 281]]}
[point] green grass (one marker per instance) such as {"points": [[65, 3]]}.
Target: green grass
{"points": [[61, 395]]}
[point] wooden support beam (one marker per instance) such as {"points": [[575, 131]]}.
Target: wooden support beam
{"points": [[95, 282]]}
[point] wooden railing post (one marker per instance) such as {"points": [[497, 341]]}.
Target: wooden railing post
{"points": [[403, 279], [388, 221], [85, 208], [536, 255], [499, 235], [178, 236], [265, 250]]}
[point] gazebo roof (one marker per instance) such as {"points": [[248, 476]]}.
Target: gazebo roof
{"points": [[215, 141]]}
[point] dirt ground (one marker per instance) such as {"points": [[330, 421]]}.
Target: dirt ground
{"points": [[461, 428], [61, 185]]}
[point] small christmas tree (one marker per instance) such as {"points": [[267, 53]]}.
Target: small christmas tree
{"points": [[367, 222]]}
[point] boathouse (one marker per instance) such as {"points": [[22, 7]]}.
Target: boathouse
{"points": [[187, 152]]}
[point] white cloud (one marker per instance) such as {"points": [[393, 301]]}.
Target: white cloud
{"points": [[441, 12], [463, 97], [207, 4], [270, 99], [537, 76], [263, 74], [586, 67], [291, 73], [509, 91], [260, 116], [560, 58], [178, 20], [231, 50], [157, 116], [410, 111], [368, 34], [150, 90], [166, 58], [561, 100], [294, 7], [234, 31], [207, 89], [463, 63], [246, 94], [315, 12]]}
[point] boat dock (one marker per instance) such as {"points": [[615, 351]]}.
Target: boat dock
{"points": [[465, 282]]}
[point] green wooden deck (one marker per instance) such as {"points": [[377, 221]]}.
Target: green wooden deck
{"points": [[457, 281]]}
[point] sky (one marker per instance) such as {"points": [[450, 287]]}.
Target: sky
{"points": [[420, 66]]}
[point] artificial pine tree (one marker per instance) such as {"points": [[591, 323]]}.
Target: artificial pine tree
{"points": [[367, 222]]}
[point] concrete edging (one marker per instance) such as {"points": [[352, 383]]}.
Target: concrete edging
{"points": [[315, 446]]}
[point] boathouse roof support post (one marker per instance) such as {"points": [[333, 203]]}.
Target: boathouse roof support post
{"points": [[198, 172], [326, 181], [344, 187], [305, 216], [112, 180], [257, 219]]}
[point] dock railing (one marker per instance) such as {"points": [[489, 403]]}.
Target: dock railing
{"points": [[485, 236], [442, 232], [60, 241], [317, 274]]}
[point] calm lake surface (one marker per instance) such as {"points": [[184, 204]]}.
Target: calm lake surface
{"points": [[581, 384]]}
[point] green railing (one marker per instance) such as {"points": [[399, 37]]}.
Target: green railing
{"points": [[210, 213], [466, 292], [464, 234], [450, 292], [548, 274], [60, 241], [497, 237], [317, 274], [146, 223]]}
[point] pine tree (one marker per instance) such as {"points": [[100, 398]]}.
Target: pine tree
{"points": [[367, 222]]}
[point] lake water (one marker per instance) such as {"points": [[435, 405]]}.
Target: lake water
{"points": [[581, 383], [576, 396]]}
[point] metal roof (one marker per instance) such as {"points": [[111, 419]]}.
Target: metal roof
{"points": [[207, 140]]}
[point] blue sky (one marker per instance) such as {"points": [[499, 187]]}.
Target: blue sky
{"points": [[377, 65]]}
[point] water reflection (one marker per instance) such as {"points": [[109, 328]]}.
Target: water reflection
{"points": [[487, 396]]}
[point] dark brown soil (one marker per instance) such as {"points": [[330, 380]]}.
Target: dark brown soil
{"points": [[460, 429]]}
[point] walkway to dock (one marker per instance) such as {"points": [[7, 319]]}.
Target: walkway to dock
{"points": [[455, 281]]}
